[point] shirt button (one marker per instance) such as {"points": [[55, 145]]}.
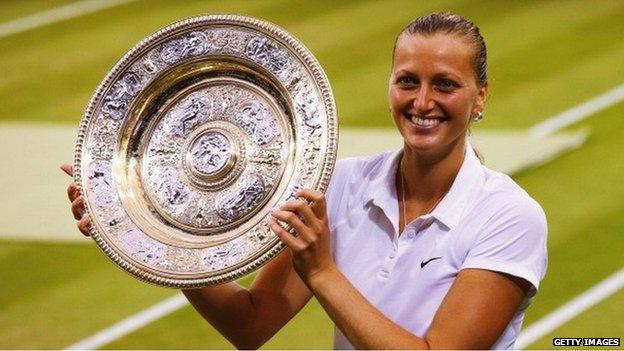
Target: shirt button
{"points": [[384, 274], [392, 255]]}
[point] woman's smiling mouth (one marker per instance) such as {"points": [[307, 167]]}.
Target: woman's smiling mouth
{"points": [[425, 122]]}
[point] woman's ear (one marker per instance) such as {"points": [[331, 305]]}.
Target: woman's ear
{"points": [[482, 95]]}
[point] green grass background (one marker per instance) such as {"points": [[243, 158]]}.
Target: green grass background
{"points": [[545, 56]]}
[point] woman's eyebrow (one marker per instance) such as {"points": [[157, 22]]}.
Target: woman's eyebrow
{"points": [[403, 72], [447, 75]]}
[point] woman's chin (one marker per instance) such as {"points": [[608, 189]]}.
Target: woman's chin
{"points": [[420, 138], [432, 146], [422, 144]]}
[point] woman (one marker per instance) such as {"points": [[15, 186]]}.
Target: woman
{"points": [[416, 249]]}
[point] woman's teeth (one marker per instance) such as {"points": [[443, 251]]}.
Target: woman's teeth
{"points": [[425, 122]]}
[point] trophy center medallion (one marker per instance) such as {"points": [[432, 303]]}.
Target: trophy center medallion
{"points": [[214, 156], [210, 155]]}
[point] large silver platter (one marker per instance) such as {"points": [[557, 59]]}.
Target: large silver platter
{"points": [[192, 138]]}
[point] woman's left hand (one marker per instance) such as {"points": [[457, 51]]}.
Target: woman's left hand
{"points": [[310, 247]]}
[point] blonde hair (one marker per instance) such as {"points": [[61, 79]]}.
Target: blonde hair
{"points": [[450, 23]]}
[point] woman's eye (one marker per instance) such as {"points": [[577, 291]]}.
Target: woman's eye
{"points": [[406, 81], [446, 84]]}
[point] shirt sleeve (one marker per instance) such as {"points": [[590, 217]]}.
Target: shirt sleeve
{"points": [[513, 241], [336, 188], [335, 197]]}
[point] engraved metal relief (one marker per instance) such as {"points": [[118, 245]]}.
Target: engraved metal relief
{"points": [[240, 200], [261, 50], [186, 115], [307, 105], [120, 95], [255, 119], [101, 182], [192, 138], [191, 44], [210, 152], [170, 191]]}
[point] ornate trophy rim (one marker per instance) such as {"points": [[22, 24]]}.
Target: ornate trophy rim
{"points": [[275, 245]]}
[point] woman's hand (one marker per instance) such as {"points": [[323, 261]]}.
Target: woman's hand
{"points": [[77, 202], [310, 247]]}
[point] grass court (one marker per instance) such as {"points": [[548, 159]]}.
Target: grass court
{"points": [[544, 57]]}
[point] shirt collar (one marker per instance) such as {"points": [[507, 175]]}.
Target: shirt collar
{"points": [[382, 189], [453, 205]]}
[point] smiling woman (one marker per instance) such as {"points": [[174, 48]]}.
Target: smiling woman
{"points": [[433, 92], [429, 249], [419, 248]]}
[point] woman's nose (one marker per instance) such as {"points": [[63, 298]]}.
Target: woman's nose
{"points": [[423, 101]]}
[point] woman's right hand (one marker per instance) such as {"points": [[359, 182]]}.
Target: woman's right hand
{"points": [[77, 202]]}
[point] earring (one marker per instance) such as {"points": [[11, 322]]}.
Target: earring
{"points": [[478, 117]]}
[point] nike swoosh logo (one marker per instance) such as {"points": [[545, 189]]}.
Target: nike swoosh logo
{"points": [[424, 263]]}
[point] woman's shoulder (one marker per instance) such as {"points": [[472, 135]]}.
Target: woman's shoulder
{"points": [[505, 200], [363, 166], [506, 231], [353, 176]]}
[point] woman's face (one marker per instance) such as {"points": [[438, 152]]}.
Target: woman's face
{"points": [[434, 91]]}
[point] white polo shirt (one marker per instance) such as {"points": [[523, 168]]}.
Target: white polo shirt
{"points": [[485, 221]]}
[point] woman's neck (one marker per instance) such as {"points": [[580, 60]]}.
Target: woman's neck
{"points": [[428, 177]]}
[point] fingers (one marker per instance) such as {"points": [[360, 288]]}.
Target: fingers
{"points": [[317, 199], [73, 192], [291, 241], [68, 169], [77, 202], [306, 219], [294, 221], [302, 208], [83, 225], [77, 207]]}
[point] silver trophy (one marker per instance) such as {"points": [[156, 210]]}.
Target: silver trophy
{"points": [[193, 137]]}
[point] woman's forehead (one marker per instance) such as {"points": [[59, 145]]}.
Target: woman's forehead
{"points": [[448, 49]]}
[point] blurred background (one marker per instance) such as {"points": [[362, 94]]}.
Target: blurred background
{"points": [[547, 59]]}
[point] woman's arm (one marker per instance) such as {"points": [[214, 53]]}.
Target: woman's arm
{"points": [[473, 315], [248, 318]]}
